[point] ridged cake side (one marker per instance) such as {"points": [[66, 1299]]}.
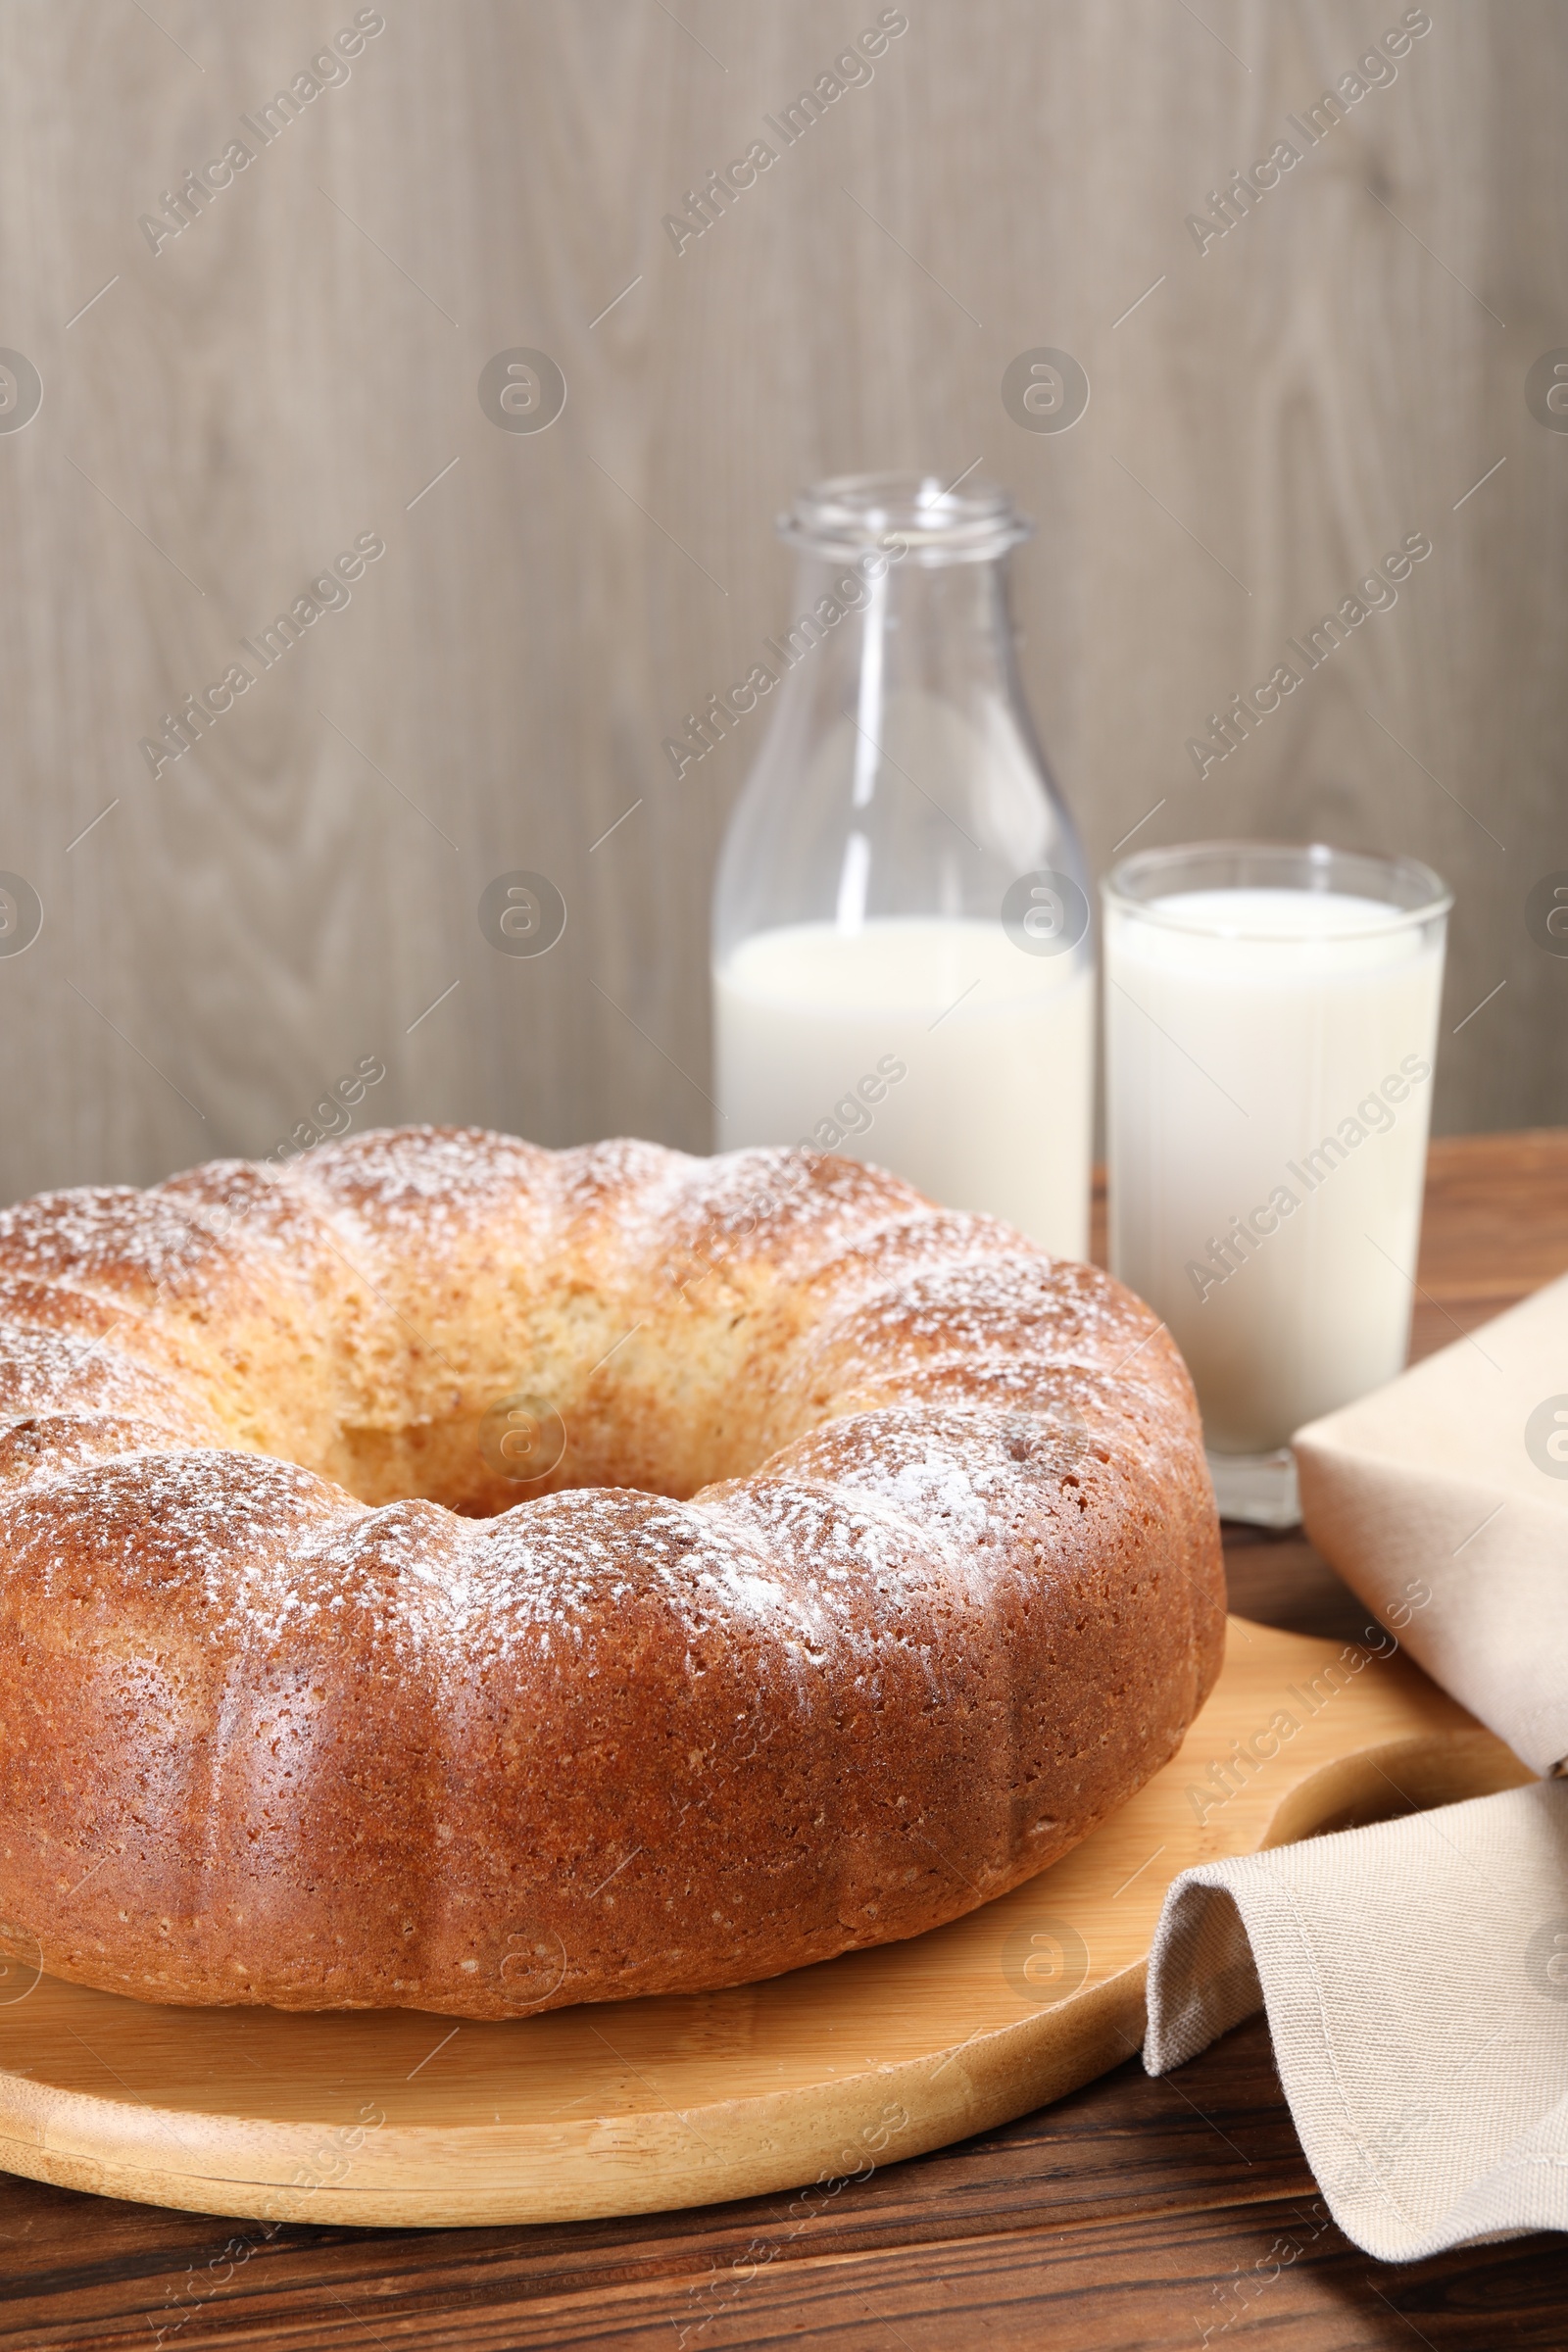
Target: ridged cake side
{"points": [[880, 1564]]}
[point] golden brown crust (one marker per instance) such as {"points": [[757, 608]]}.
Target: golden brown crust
{"points": [[880, 1563]]}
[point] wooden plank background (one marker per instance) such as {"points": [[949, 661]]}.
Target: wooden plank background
{"points": [[302, 361]]}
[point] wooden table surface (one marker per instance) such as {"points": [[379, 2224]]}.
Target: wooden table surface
{"points": [[1133, 2213]]}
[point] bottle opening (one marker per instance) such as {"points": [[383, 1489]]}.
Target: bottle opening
{"points": [[969, 522]]}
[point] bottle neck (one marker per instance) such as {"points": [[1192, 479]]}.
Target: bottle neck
{"points": [[887, 622], [899, 774]]}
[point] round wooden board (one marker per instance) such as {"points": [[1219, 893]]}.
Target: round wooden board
{"points": [[401, 2118]]}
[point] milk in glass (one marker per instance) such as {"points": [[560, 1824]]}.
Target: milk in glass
{"points": [[1270, 1055]]}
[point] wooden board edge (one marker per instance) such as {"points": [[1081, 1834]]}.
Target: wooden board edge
{"points": [[754, 2147], [1417, 1772]]}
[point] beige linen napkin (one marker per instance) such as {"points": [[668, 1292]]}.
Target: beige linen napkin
{"points": [[1453, 1480], [1415, 1974], [1416, 1981]]}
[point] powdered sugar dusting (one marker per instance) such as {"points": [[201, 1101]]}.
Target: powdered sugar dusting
{"points": [[895, 1304]]}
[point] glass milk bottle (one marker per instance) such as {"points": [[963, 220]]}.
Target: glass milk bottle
{"points": [[901, 962]]}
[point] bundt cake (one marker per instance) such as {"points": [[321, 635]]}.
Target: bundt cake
{"points": [[454, 1575]]}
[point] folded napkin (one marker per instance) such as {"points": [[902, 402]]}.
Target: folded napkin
{"points": [[1416, 1981], [1415, 1975], [1452, 1482]]}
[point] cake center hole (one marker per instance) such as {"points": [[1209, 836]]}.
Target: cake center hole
{"points": [[668, 1404]]}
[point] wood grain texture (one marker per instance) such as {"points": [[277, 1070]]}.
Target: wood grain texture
{"points": [[1131, 2215], [302, 362]]}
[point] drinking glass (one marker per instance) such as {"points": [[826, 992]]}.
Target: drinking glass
{"points": [[1271, 1017]]}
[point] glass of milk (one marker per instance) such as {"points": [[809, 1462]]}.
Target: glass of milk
{"points": [[1271, 1022], [901, 962]]}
